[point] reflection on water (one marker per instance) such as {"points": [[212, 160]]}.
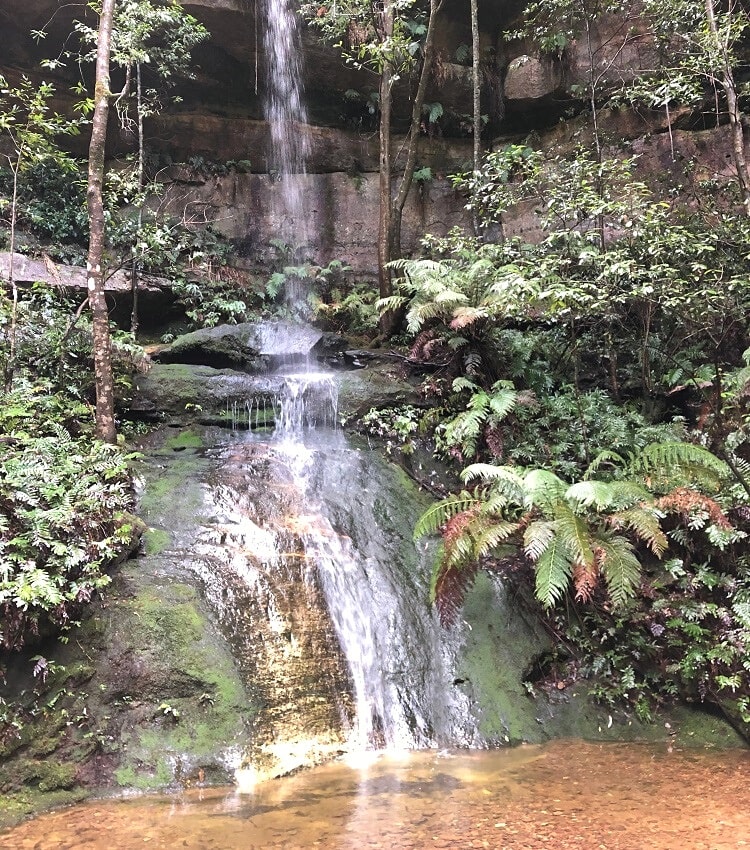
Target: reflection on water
{"points": [[563, 795]]}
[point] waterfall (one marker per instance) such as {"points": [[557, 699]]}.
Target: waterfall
{"points": [[287, 119], [389, 637]]}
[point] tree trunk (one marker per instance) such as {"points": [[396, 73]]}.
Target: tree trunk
{"points": [[105, 400], [428, 53], [135, 269], [10, 363], [737, 133], [476, 85], [384, 195]]}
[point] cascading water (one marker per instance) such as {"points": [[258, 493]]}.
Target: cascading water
{"points": [[287, 119], [390, 640], [306, 557]]}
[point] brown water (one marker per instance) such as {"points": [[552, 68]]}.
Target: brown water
{"points": [[566, 794]]}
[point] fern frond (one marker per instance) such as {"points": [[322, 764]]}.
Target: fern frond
{"points": [[543, 489], [676, 462], [465, 316], [607, 495], [586, 579], [605, 456], [391, 303], [463, 383], [645, 526], [435, 517], [464, 430], [620, 568], [491, 473], [420, 314], [497, 532], [504, 481], [503, 400], [537, 537], [587, 494], [553, 573], [448, 587], [575, 533]]}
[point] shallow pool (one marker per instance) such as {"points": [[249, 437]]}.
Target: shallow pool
{"points": [[566, 794]]}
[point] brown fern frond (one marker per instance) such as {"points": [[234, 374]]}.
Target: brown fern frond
{"points": [[465, 316], [456, 527], [422, 339], [527, 398], [690, 504], [586, 576], [494, 439], [449, 589]]}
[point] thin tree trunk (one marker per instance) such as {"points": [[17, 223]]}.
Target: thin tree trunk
{"points": [[428, 53], [385, 204], [141, 159], [10, 363], [476, 85], [105, 401], [730, 91]]}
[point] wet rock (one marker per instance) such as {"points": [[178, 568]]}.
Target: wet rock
{"points": [[192, 392], [251, 346]]}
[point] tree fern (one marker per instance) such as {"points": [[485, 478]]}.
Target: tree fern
{"points": [[620, 568], [554, 569], [435, 517]]}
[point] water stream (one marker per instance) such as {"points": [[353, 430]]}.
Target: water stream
{"points": [[287, 118]]}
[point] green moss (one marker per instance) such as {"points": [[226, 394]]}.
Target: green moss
{"points": [[184, 440], [146, 778], [174, 623], [17, 805], [156, 541]]}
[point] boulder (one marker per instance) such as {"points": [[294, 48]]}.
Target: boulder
{"points": [[251, 346]]}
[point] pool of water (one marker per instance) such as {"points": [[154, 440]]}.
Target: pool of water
{"points": [[566, 794]]}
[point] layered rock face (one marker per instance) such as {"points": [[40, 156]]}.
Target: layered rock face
{"points": [[219, 127]]}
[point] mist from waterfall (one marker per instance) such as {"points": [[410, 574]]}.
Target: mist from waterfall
{"points": [[287, 118]]}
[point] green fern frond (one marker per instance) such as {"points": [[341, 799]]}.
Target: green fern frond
{"points": [[497, 532], [543, 489], [435, 517], [505, 482], [646, 526], [682, 461], [575, 533], [620, 568], [553, 573], [606, 495], [605, 456], [537, 538], [491, 473], [420, 314], [463, 383], [587, 494], [503, 400], [391, 303]]}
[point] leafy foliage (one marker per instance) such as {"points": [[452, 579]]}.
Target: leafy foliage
{"points": [[64, 518], [583, 533]]}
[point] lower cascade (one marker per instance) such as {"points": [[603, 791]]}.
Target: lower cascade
{"points": [[307, 559]]}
